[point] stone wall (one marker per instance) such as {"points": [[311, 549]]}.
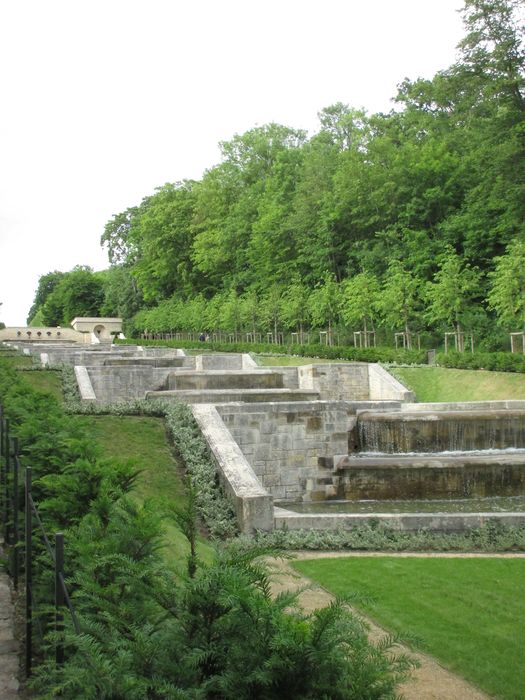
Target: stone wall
{"points": [[42, 334], [336, 381], [231, 361], [286, 443], [252, 502], [122, 383], [383, 386]]}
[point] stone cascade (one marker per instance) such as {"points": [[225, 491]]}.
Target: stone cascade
{"points": [[433, 454], [225, 386], [438, 431]]}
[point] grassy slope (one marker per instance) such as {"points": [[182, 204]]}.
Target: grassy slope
{"points": [[467, 612], [49, 381], [140, 439], [441, 384], [143, 440]]}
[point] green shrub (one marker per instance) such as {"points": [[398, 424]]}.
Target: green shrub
{"points": [[495, 361], [331, 352]]}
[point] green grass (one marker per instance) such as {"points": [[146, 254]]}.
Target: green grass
{"points": [[441, 384], [468, 613], [144, 440], [48, 381]]}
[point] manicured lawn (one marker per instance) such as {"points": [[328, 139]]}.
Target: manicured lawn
{"points": [[468, 613], [442, 384], [143, 440]]}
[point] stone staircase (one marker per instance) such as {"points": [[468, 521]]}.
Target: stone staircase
{"points": [[226, 386]]}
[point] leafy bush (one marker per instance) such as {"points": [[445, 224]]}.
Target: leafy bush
{"points": [[495, 361], [219, 634], [491, 537]]}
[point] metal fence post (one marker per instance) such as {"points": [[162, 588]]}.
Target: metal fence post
{"points": [[16, 505], [2, 466], [6, 480], [29, 572], [59, 598]]}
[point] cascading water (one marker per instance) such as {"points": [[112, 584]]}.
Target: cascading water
{"points": [[434, 455], [446, 431]]}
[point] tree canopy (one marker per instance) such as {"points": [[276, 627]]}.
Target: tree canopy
{"points": [[285, 214]]}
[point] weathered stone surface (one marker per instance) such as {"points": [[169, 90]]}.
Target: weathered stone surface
{"points": [[253, 504]]}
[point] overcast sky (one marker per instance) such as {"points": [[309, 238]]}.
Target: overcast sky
{"points": [[103, 101]]}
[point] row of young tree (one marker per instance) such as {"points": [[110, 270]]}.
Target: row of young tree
{"points": [[429, 195]]}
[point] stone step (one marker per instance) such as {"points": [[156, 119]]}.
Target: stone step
{"points": [[424, 476], [225, 379], [435, 461], [144, 361], [233, 395]]}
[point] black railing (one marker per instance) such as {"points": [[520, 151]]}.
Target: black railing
{"points": [[10, 502]]}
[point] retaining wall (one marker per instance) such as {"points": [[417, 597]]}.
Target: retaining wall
{"points": [[405, 522], [284, 442], [252, 502]]}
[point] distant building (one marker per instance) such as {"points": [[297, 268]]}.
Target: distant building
{"points": [[86, 331]]}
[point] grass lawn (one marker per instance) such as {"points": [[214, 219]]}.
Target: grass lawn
{"points": [[143, 440], [49, 381], [442, 384], [468, 613]]}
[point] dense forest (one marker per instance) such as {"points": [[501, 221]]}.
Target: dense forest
{"points": [[406, 221]]}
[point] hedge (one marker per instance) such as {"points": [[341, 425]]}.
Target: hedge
{"points": [[330, 352], [495, 361]]}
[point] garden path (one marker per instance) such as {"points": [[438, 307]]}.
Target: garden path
{"points": [[430, 681], [9, 646]]}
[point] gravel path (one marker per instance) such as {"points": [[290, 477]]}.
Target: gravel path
{"points": [[9, 647], [430, 681]]}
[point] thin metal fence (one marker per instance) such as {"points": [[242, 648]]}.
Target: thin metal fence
{"points": [[10, 501]]}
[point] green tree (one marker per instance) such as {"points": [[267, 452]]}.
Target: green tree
{"points": [[272, 309], [400, 299], [121, 294], [359, 300], [78, 293], [452, 293], [324, 304], [46, 285], [507, 292], [295, 305], [164, 229]]}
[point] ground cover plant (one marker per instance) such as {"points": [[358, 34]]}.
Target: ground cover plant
{"points": [[467, 612], [437, 384]]}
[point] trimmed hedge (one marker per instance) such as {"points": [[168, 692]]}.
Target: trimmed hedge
{"points": [[495, 361], [329, 352]]}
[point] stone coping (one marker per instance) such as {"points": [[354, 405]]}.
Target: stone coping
{"points": [[252, 503], [404, 522]]}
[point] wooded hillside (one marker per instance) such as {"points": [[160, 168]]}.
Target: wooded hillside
{"points": [[403, 221]]}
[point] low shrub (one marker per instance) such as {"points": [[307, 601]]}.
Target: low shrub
{"points": [[491, 537], [331, 352], [495, 361]]}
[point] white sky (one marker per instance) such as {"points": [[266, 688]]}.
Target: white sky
{"points": [[104, 100]]}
